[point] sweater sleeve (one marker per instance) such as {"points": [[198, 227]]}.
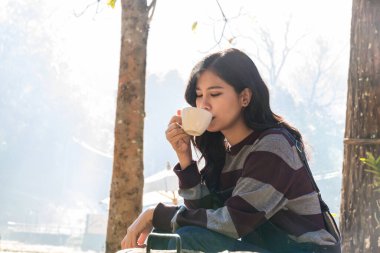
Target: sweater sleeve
{"points": [[191, 188]]}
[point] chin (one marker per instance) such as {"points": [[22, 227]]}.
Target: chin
{"points": [[212, 129]]}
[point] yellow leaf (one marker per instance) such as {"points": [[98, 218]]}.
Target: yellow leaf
{"points": [[111, 3], [194, 26]]}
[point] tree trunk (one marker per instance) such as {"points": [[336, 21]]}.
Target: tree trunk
{"points": [[360, 210], [127, 177]]}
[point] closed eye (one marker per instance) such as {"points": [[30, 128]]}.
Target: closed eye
{"points": [[212, 95]]}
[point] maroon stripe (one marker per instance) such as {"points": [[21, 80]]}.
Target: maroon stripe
{"points": [[249, 140], [301, 186], [188, 177], [296, 224], [229, 179], [205, 202], [271, 169], [162, 216], [193, 217], [244, 216]]}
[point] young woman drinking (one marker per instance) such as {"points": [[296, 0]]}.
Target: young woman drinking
{"points": [[254, 192]]}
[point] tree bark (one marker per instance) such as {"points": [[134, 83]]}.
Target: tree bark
{"points": [[360, 211], [127, 177]]}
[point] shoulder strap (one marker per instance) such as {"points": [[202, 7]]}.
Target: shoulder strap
{"points": [[302, 155], [324, 207]]}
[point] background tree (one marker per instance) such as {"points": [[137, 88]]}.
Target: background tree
{"points": [[127, 177], [359, 210]]}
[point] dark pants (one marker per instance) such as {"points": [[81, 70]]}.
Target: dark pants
{"points": [[265, 239], [205, 240], [269, 237]]}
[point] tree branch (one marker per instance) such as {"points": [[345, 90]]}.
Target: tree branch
{"points": [[151, 9], [225, 20], [85, 9]]}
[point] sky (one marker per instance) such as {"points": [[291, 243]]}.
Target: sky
{"points": [[181, 51], [172, 43], [86, 36]]}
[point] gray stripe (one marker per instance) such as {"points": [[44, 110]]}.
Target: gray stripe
{"points": [[237, 162], [174, 223], [305, 205], [279, 145], [263, 197], [321, 237], [219, 220], [273, 143], [197, 192]]}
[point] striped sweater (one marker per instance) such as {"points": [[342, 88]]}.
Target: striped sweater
{"points": [[268, 181]]}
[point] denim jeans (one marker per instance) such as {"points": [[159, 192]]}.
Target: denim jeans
{"points": [[205, 240], [270, 237], [267, 238]]}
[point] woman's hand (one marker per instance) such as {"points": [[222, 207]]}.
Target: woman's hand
{"points": [[139, 230], [180, 141]]}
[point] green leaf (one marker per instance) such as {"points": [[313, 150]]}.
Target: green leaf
{"points": [[374, 167], [111, 3], [374, 171], [378, 160], [194, 26], [370, 156]]}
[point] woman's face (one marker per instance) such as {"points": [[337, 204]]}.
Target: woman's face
{"points": [[220, 98]]}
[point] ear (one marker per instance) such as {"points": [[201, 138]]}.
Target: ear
{"points": [[245, 97]]}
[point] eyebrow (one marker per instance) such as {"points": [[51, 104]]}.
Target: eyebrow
{"points": [[212, 87]]}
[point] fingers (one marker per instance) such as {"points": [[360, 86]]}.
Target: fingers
{"points": [[143, 237], [176, 118], [130, 240], [178, 137], [173, 131], [124, 242], [138, 231]]}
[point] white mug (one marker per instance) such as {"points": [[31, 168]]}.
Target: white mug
{"points": [[195, 120]]}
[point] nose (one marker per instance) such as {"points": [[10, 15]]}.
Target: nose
{"points": [[204, 104]]}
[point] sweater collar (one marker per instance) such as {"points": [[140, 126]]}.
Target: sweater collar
{"points": [[250, 139]]}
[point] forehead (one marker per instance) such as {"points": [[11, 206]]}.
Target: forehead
{"points": [[209, 80]]}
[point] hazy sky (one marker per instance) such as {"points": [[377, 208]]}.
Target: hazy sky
{"points": [[94, 36], [85, 49], [172, 43]]}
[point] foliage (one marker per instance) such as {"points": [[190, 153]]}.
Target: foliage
{"points": [[194, 26], [374, 164], [111, 3]]}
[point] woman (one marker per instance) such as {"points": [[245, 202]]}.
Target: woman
{"points": [[254, 192]]}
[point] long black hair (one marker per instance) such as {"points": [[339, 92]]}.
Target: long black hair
{"points": [[238, 70]]}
